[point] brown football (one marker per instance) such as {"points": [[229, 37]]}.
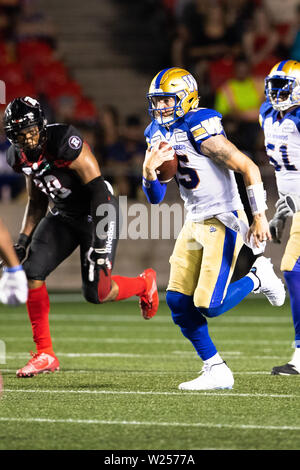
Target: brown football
{"points": [[167, 170]]}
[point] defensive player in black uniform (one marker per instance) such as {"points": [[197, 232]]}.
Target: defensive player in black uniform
{"points": [[61, 168]]}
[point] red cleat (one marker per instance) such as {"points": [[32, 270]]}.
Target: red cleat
{"points": [[39, 363], [149, 300]]}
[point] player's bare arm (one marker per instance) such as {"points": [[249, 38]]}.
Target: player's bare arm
{"points": [[86, 165], [36, 207], [223, 152]]}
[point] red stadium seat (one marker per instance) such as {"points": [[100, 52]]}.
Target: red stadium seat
{"points": [[36, 49], [12, 74], [23, 89], [31, 53], [48, 76], [4, 54], [85, 110]]}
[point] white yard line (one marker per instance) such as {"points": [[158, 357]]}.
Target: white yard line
{"points": [[136, 392], [82, 317], [96, 329], [233, 355], [148, 372], [151, 423]]}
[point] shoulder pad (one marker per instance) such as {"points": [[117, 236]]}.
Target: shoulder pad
{"points": [[151, 129], [265, 109], [296, 112], [64, 141], [13, 160], [204, 123]]}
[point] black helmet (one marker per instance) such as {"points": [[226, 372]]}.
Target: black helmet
{"points": [[22, 113]]}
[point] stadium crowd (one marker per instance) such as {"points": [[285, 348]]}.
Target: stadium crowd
{"points": [[228, 45]]}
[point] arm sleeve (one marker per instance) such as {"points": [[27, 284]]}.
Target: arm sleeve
{"points": [[102, 210], [154, 190]]}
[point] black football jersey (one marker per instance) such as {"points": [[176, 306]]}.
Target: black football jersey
{"points": [[51, 172]]}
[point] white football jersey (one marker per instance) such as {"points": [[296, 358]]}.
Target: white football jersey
{"points": [[206, 188], [282, 142]]}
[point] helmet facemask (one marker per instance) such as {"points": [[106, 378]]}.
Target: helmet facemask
{"points": [[27, 134], [283, 92], [164, 116]]}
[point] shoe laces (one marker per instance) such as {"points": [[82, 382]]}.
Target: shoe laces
{"points": [[35, 357], [205, 369]]}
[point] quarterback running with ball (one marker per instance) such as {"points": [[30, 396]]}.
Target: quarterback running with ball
{"points": [[216, 226], [280, 120]]}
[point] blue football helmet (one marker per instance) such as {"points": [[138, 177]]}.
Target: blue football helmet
{"points": [[174, 83]]}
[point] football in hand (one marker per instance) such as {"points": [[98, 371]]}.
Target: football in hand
{"points": [[167, 170]]}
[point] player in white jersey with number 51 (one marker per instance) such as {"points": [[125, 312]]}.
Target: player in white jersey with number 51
{"points": [[216, 226], [280, 120]]}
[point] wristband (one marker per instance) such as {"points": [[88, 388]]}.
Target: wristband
{"points": [[154, 190], [14, 269], [257, 198], [23, 240]]}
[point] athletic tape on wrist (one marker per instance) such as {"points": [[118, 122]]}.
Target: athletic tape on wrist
{"points": [[257, 198]]}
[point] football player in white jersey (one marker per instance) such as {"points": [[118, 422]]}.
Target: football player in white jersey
{"points": [[216, 226], [280, 120]]}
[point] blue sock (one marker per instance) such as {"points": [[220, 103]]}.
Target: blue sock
{"points": [[200, 339], [236, 292], [192, 324], [292, 279]]}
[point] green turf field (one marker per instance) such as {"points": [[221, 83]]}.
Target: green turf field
{"points": [[117, 388]]}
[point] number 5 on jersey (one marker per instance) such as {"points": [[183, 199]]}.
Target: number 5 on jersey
{"points": [[190, 178]]}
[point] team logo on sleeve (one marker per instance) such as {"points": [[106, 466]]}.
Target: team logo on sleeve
{"points": [[75, 142]]}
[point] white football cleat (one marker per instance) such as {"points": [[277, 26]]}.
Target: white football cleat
{"points": [[269, 284], [213, 377]]}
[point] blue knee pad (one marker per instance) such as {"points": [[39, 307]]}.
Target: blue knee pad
{"points": [[184, 312], [192, 323]]}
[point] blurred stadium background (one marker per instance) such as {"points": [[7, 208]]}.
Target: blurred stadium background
{"points": [[90, 64]]}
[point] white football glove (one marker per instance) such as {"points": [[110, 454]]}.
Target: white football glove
{"points": [[286, 206], [13, 287]]}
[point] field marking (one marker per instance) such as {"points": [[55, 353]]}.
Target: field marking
{"points": [[117, 341], [151, 423], [82, 317], [95, 329], [174, 355], [148, 372], [137, 392]]}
